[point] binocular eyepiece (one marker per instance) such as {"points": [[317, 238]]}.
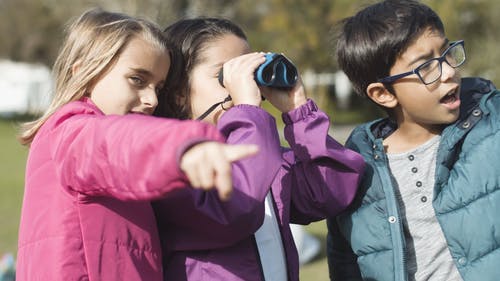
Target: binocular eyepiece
{"points": [[276, 72]]}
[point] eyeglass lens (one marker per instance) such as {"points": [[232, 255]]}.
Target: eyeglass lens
{"points": [[432, 70]]}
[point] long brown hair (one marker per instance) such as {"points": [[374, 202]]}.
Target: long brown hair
{"points": [[187, 39], [93, 43]]}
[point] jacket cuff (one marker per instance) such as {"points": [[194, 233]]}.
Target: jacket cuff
{"points": [[300, 113], [246, 107]]}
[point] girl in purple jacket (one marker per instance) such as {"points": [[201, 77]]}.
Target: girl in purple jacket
{"points": [[248, 237], [96, 157]]}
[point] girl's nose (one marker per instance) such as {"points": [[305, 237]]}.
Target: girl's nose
{"points": [[149, 98]]}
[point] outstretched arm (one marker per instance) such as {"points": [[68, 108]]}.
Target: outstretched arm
{"points": [[131, 157]]}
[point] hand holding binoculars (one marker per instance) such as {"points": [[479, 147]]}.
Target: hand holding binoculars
{"points": [[276, 72]]}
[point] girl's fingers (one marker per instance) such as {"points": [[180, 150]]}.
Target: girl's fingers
{"points": [[242, 68], [223, 176], [192, 176], [208, 165], [206, 175], [223, 180], [237, 152]]}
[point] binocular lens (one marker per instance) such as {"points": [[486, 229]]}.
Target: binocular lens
{"points": [[268, 74]]}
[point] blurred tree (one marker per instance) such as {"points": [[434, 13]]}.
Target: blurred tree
{"points": [[475, 22], [29, 30], [32, 30], [300, 28]]}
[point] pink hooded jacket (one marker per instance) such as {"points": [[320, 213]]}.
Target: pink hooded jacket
{"points": [[89, 178]]}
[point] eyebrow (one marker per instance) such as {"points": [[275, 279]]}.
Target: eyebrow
{"points": [[427, 56], [217, 65], [142, 71]]}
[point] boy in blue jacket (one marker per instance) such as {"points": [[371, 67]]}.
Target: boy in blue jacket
{"points": [[428, 207]]}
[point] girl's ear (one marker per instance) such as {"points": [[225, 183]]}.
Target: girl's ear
{"points": [[379, 94]]}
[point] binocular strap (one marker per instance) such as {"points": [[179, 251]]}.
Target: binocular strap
{"points": [[213, 107]]}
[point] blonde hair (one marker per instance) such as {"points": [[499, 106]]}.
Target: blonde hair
{"points": [[93, 43]]}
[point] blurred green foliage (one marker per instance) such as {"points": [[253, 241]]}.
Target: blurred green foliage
{"points": [[31, 30]]}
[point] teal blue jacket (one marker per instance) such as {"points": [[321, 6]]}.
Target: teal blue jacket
{"points": [[367, 242]]}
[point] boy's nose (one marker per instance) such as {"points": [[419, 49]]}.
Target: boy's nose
{"points": [[447, 71]]}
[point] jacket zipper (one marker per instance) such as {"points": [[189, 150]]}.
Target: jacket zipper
{"points": [[400, 243]]}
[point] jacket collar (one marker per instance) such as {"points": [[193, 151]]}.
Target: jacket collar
{"points": [[471, 91]]}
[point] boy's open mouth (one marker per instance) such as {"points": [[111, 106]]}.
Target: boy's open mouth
{"points": [[449, 98]]}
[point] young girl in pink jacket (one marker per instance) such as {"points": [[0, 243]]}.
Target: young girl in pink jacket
{"points": [[97, 157]]}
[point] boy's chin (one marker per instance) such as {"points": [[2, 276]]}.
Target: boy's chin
{"points": [[453, 117]]}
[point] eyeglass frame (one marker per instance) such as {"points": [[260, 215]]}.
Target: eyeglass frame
{"points": [[440, 59]]}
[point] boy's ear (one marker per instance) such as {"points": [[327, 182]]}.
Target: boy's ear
{"points": [[379, 94]]}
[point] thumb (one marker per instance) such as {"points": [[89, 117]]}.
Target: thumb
{"points": [[239, 151]]}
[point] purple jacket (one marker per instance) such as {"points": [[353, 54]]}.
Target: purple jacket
{"points": [[204, 239], [86, 213]]}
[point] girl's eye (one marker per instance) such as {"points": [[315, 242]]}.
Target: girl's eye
{"points": [[219, 73], [137, 81]]}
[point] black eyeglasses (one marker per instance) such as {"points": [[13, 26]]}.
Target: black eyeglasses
{"points": [[431, 70]]}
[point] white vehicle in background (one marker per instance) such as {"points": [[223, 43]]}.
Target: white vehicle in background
{"points": [[24, 88]]}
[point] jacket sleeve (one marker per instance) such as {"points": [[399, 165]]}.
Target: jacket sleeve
{"points": [[130, 157], [205, 221], [342, 262], [324, 175]]}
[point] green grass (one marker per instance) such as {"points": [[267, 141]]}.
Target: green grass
{"points": [[12, 168]]}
